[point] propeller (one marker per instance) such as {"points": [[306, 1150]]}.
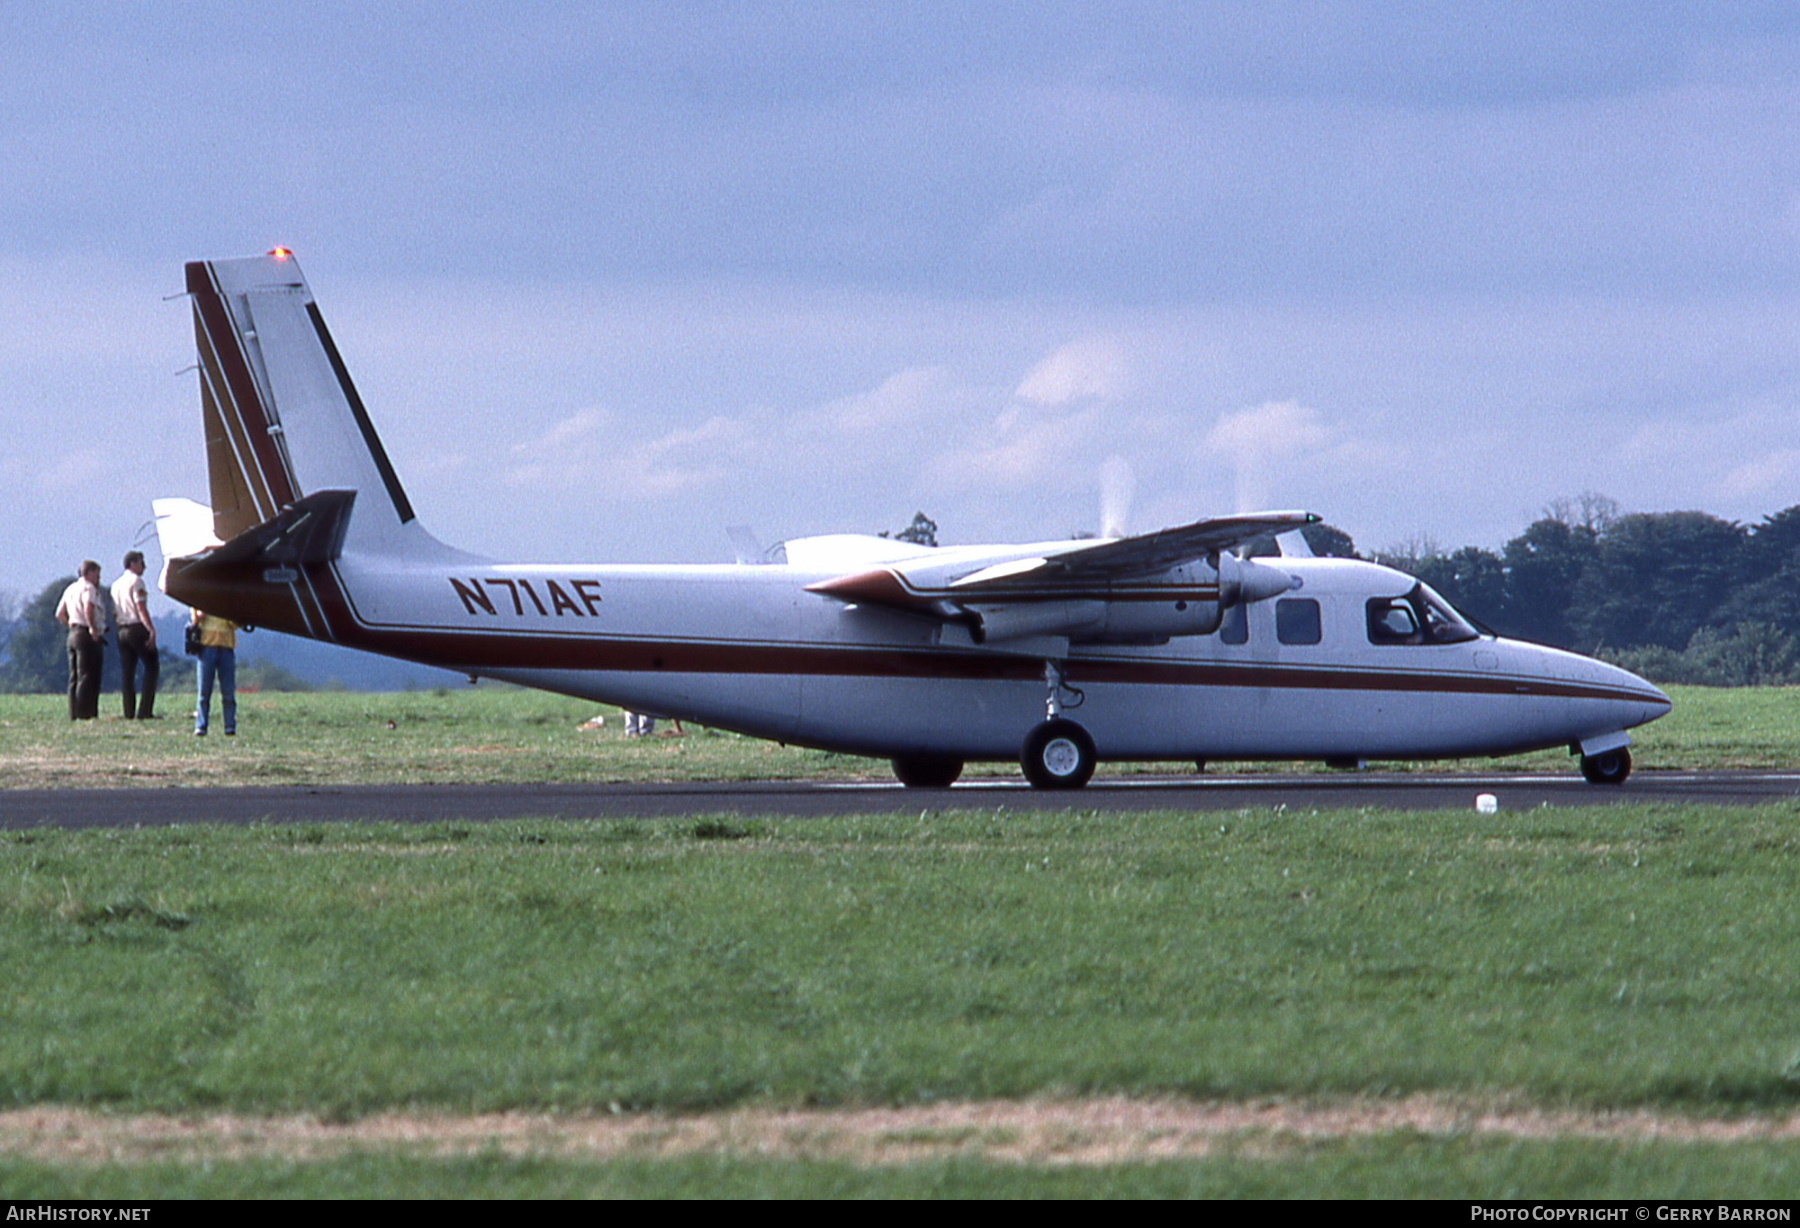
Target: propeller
{"points": [[1117, 485]]}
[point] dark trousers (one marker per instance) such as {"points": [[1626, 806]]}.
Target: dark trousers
{"points": [[134, 647], [85, 655]]}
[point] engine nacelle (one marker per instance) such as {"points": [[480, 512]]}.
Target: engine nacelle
{"points": [[1096, 622], [1242, 581], [1187, 600], [1014, 620]]}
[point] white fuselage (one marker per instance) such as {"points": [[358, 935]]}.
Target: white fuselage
{"points": [[746, 647]]}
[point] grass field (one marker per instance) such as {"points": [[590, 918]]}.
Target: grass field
{"points": [[1401, 1166], [501, 735], [1621, 960], [1618, 959]]}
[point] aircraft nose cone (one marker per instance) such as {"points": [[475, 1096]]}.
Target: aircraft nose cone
{"points": [[1609, 699], [1648, 701]]}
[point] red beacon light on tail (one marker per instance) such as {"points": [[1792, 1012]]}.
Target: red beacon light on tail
{"points": [[282, 253]]}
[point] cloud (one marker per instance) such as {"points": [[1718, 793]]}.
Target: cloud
{"points": [[585, 450], [552, 458], [901, 403], [73, 471], [1256, 440], [1271, 431], [1771, 474], [1736, 461], [921, 435], [1049, 430], [1022, 449], [1094, 368], [879, 436], [680, 461]]}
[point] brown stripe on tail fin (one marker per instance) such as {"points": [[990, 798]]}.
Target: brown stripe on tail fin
{"points": [[250, 478]]}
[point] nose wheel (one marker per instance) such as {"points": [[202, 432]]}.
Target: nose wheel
{"points": [[1058, 754], [1607, 768]]}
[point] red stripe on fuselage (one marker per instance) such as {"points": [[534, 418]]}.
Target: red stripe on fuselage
{"points": [[475, 651]]}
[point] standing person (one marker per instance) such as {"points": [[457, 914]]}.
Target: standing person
{"points": [[218, 660], [83, 611], [137, 639]]}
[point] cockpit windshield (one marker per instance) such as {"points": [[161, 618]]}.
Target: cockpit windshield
{"points": [[1420, 617]]}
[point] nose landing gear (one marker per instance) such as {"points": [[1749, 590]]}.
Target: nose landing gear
{"points": [[1607, 768]]}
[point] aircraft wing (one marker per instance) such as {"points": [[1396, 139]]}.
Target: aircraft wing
{"points": [[1149, 552], [1072, 570], [1146, 554]]}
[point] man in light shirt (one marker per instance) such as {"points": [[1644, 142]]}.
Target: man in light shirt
{"points": [[137, 639], [83, 611]]}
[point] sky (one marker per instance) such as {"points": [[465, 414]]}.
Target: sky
{"points": [[612, 278]]}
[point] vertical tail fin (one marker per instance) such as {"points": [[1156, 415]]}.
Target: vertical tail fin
{"points": [[283, 419]]}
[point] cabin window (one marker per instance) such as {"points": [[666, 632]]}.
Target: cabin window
{"points": [[1420, 617], [1234, 628], [1297, 621], [1392, 621]]}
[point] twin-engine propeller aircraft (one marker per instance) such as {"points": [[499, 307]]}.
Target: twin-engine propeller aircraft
{"points": [[1165, 646]]}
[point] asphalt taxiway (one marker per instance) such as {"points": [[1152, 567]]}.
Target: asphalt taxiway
{"points": [[78, 808]]}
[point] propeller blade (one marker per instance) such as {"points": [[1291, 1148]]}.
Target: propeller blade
{"points": [[1117, 485]]}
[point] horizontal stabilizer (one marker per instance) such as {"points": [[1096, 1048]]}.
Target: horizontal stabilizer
{"points": [[184, 528], [309, 531]]}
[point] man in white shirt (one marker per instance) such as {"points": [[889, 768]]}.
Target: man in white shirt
{"points": [[83, 611], [137, 639]]}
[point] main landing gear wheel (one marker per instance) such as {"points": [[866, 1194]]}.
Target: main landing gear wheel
{"points": [[1058, 754], [927, 771], [1607, 768]]}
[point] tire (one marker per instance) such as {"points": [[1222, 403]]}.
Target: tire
{"points": [[927, 771], [1607, 768], [1058, 754]]}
